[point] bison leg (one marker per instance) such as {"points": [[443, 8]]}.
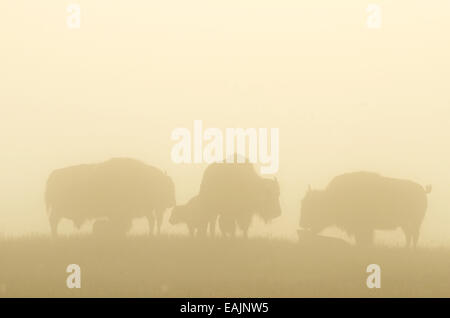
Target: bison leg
{"points": [[151, 224], [77, 224], [408, 237], [415, 238], [244, 223], [201, 229], [191, 230], [211, 223], [227, 226], [54, 221], [159, 217], [412, 235]]}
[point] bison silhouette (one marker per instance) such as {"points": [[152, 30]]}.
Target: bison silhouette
{"points": [[196, 218], [192, 215], [235, 193], [119, 189], [361, 202]]}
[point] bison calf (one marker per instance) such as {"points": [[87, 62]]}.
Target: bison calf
{"points": [[192, 215], [198, 219]]}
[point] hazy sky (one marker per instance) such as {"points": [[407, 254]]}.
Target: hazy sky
{"points": [[345, 97]]}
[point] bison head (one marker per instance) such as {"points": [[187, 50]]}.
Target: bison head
{"points": [[313, 214], [270, 205]]}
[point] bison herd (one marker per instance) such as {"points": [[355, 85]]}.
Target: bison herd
{"points": [[114, 192]]}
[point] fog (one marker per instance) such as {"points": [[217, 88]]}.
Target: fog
{"points": [[344, 97]]}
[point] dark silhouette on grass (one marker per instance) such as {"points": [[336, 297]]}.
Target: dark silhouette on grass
{"points": [[236, 193], [227, 225], [362, 202], [119, 189], [196, 218], [192, 215], [232, 193]]}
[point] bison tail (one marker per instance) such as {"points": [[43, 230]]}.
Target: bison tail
{"points": [[428, 188]]}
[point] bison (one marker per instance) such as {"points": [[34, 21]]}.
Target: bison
{"points": [[196, 218], [119, 189], [235, 193], [190, 214], [361, 202], [227, 225]]}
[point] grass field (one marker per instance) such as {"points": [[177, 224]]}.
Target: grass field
{"points": [[176, 266]]}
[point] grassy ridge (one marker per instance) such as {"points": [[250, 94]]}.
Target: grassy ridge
{"points": [[183, 267]]}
